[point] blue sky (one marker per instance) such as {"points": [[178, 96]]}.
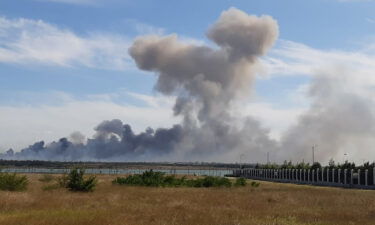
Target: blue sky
{"points": [[63, 61]]}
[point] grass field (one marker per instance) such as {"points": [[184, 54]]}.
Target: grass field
{"points": [[109, 204]]}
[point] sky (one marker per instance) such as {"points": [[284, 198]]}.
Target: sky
{"points": [[65, 66]]}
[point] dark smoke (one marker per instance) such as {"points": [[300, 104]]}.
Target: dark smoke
{"points": [[207, 81]]}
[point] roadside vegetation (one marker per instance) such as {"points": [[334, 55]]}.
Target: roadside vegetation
{"points": [[158, 179], [74, 181], [302, 165]]}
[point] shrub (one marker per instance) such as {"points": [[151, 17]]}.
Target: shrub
{"points": [[13, 182], [173, 181], [159, 179], [240, 182], [150, 179], [77, 182], [254, 184], [46, 178], [209, 181]]}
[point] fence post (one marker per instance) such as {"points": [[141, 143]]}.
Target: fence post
{"points": [[308, 175], [312, 176], [366, 175], [359, 176], [345, 176], [333, 175], [339, 176], [351, 176], [327, 175], [297, 174]]}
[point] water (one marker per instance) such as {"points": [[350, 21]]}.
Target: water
{"points": [[200, 172]]}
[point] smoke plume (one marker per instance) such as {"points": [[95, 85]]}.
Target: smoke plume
{"points": [[206, 80], [340, 120]]}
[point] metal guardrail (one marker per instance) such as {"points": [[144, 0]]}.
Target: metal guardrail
{"points": [[363, 179]]}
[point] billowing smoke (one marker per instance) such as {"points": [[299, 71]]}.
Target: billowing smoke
{"points": [[340, 121], [207, 81]]}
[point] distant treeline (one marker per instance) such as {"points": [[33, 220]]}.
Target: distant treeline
{"points": [[110, 165], [316, 165]]}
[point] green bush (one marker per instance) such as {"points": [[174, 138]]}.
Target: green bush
{"points": [[254, 184], [13, 182], [150, 179], [77, 182], [159, 179], [240, 182]]}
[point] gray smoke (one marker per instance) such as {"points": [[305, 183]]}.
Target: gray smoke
{"points": [[341, 120], [206, 81]]}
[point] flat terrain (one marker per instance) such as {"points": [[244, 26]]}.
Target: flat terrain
{"points": [[272, 204]]}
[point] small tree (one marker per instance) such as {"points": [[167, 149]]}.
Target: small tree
{"points": [[13, 182], [331, 164], [316, 165], [240, 182], [77, 182]]}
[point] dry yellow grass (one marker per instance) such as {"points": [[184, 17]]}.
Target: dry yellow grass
{"points": [[270, 204]]}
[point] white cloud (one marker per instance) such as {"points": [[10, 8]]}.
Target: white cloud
{"points": [[25, 41], [143, 28], [292, 58]]}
